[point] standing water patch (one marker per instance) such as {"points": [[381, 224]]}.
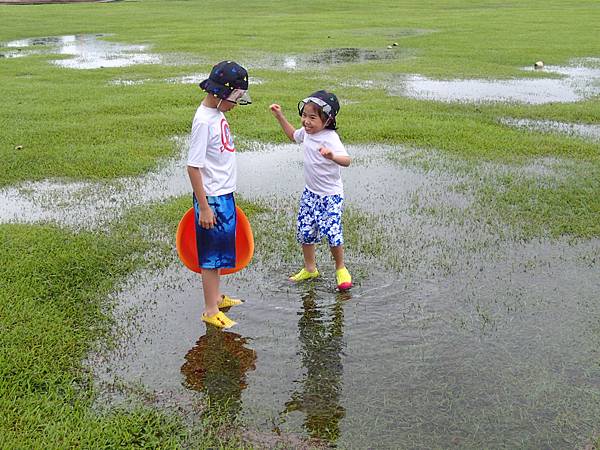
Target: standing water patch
{"points": [[87, 51], [328, 57], [578, 82], [584, 131]]}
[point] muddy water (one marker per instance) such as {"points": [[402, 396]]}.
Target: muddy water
{"points": [[499, 352], [457, 333]]}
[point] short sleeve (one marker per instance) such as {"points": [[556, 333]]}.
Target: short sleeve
{"points": [[198, 144], [299, 135], [337, 146]]}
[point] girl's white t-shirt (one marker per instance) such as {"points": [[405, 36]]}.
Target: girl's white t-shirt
{"points": [[321, 175], [213, 152]]}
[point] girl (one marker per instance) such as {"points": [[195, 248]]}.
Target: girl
{"points": [[322, 200]]}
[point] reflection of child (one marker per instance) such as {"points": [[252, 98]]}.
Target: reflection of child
{"points": [[217, 366], [211, 167], [322, 201]]}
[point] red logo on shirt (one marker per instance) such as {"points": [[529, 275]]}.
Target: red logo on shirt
{"points": [[226, 138]]}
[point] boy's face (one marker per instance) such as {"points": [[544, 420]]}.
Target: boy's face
{"points": [[226, 105], [311, 119]]}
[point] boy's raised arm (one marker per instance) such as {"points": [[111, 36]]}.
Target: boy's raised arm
{"points": [[287, 127]]}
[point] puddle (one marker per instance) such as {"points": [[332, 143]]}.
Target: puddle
{"points": [[184, 79], [499, 353], [126, 82], [328, 57], [579, 81], [585, 131], [457, 332], [62, 202], [88, 51]]}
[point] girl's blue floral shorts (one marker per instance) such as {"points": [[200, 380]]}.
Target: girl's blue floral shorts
{"points": [[318, 217]]}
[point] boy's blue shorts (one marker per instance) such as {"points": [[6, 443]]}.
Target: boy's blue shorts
{"points": [[216, 245]]}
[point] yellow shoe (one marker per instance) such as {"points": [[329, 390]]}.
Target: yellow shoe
{"points": [[227, 301], [304, 275], [344, 280], [219, 320]]}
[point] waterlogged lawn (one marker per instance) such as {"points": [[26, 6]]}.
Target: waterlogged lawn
{"points": [[60, 122], [52, 283], [74, 124], [52, 287]]}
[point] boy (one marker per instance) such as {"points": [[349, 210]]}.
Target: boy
{"points": [[211, 167]]}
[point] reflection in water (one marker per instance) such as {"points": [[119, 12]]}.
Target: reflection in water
{"points": [[217, 366], [321, 343]]}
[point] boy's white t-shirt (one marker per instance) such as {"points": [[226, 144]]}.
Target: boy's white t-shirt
{"points": [[321, 175], [212, 151]]}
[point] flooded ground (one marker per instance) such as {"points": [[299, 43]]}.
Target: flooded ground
{"points": [[585, 131], [61, 202], [502, 352], [327, 57], [93, 51], [87, 51], [576, 82], [457, 332]]}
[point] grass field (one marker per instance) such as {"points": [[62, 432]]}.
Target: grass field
{"points": [[75, 125]]}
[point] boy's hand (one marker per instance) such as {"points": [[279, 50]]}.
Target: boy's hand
{"points": [[207, 218], [276, 110], [326, 152]]}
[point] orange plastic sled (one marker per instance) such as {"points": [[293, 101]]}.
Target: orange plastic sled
{"points": [[188, 252]]}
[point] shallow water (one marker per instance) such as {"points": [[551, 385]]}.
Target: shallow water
{"points": [[456, 333], [87, 51], [500, 353], [270, 171], [579, 81], [585, 131], [327, 57]]}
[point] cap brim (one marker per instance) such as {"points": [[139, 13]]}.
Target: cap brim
{"points": [[239, 96]]}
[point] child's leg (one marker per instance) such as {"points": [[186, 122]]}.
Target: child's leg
{"points": [[307, 236], [331, 226], [310, 263], [338, 255], [210, 284], [342, 276]]}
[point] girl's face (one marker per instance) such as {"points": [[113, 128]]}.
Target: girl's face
{"points": [[311, 119]]}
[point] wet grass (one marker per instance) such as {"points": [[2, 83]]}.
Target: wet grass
{"points": [[72, 123], [52, 288], [52, 284]]}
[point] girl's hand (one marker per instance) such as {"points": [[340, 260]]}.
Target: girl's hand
{"points": [[276, 109], [326, 152]]}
